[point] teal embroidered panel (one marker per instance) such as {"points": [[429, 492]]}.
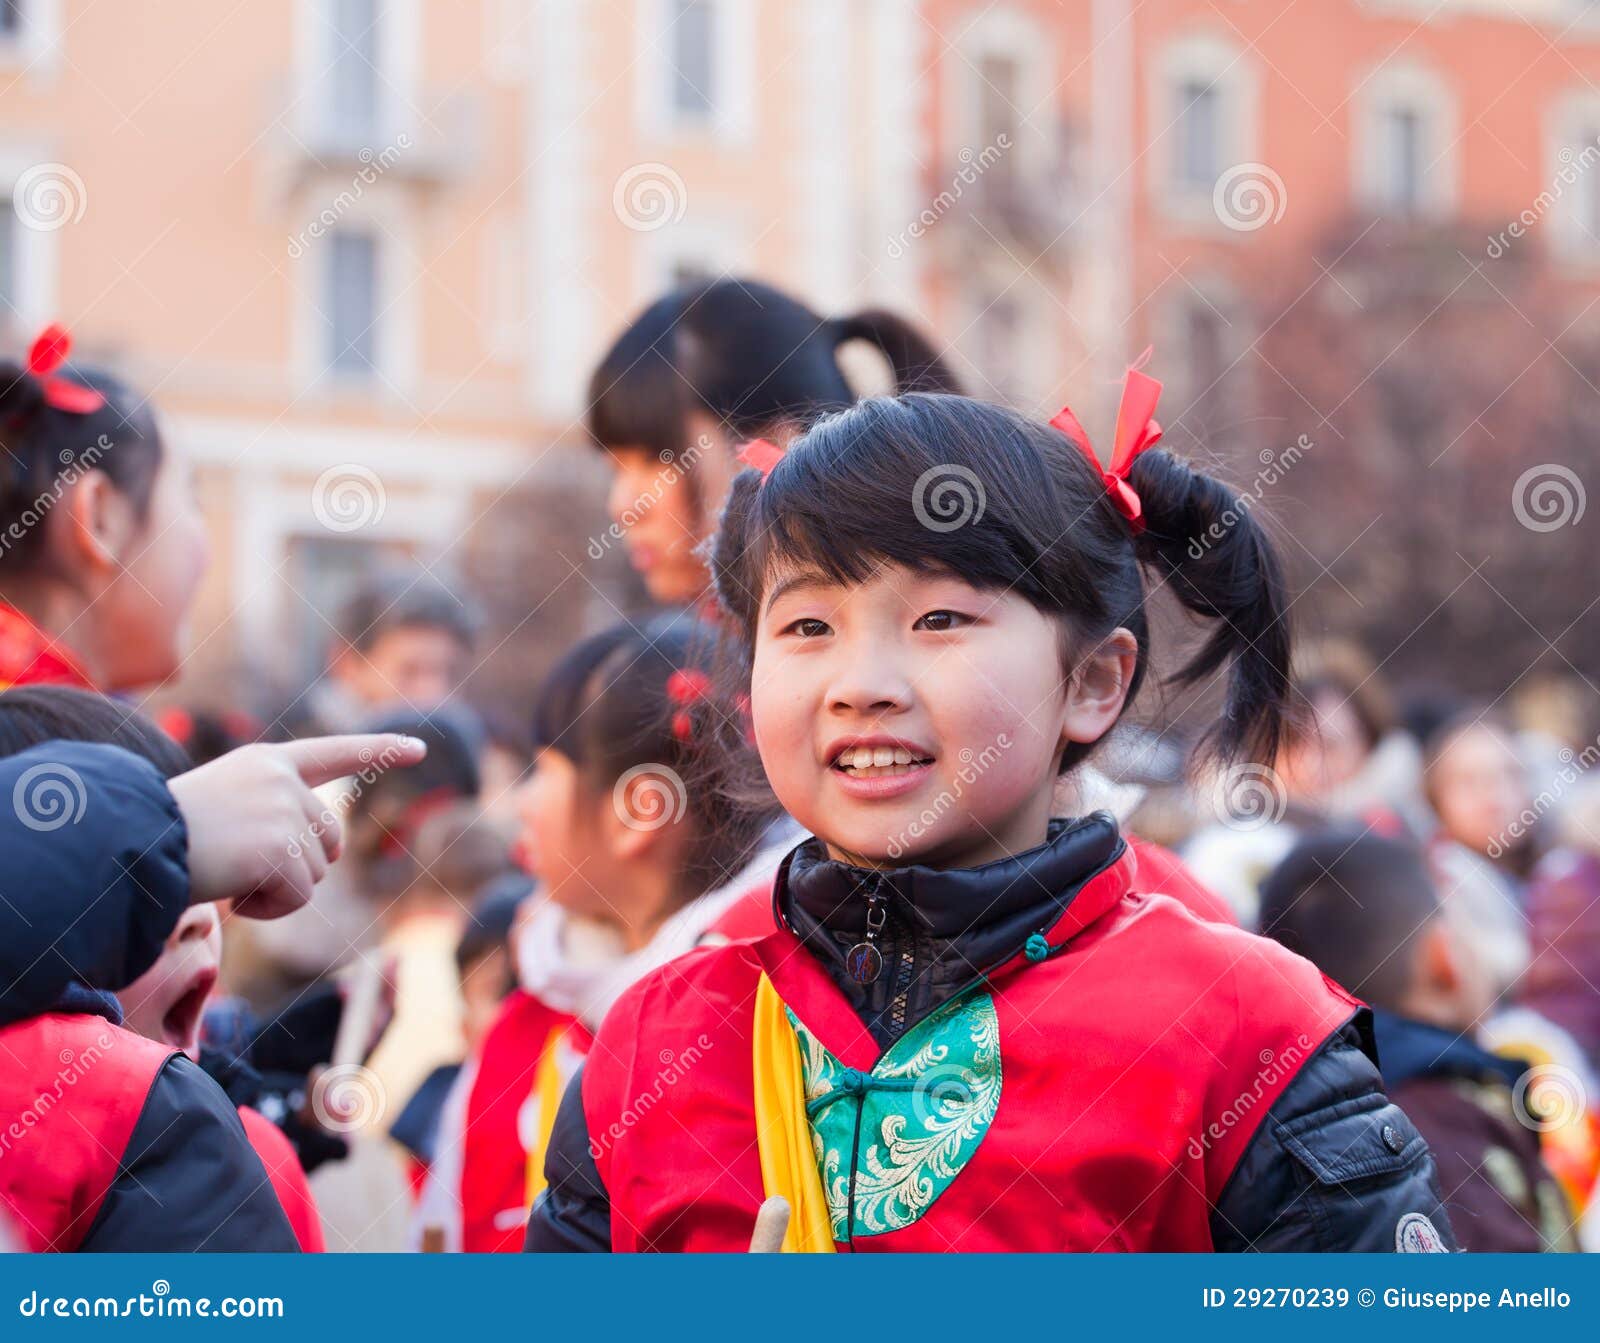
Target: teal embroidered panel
{"points": [[925, 1108]]}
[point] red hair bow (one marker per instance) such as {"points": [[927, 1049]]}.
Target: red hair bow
{"points": [[761, 454], [1136, 431], [49, 352], [686, 687]]}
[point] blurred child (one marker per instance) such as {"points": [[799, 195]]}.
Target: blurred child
{"points": [[1365, 909], [127, 1144], [105, 545], [637, 862], [1478, 787], [943, 609]]}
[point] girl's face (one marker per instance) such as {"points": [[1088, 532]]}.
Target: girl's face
{"points": [[914, 718], [664, 516], [167, 1001], [142, 612], [1479, 787], [558, 843]]}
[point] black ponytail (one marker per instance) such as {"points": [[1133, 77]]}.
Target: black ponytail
{"points": [[1203, 541], [916, 365]]}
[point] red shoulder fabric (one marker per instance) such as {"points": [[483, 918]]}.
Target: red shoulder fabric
{"points": [[1162, 872], [288, 1178], [504, 1119], [1184, 1033], [29, 656], [748, 916], [71, 1092]]}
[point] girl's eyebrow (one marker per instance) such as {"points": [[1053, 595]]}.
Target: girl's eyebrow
{"points": [[796, 582]]}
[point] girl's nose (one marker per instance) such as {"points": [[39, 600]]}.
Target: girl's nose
{"points": [[197, 922], [869, 686]]}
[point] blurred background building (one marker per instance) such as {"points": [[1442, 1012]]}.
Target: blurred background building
{"points": [[363, 253]]}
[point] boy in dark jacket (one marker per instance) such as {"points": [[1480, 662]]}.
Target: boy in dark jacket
{"points": [[1364, 908]]}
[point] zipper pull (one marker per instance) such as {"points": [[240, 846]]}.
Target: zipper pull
{"points": [[864, 961]]}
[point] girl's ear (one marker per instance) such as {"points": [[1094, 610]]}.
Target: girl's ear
{"points": [[1098, 687], [97, 523], [642, 815]]}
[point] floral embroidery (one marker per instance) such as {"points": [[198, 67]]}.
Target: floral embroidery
{"points": [[925, 1107]]}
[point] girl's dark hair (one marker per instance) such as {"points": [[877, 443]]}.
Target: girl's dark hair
{"points": [[945, 483], [33, 715], [621, 700], [41, 446], [747, 354]]}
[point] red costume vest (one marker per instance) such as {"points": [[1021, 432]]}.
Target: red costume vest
{"points": [[71, 1092], [28, 656], [1094, 1093], [527, 1057]]}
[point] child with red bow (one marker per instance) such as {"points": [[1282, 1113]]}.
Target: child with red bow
{"points": [[101, 544], [972, 1029]]}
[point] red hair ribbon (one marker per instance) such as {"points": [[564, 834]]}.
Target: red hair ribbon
{"points": [[1136, 431], [49, 352], [686, 687], [761, 454]]}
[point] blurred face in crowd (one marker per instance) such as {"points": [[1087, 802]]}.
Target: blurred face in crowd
{"points": [[417, 665], [1478, 786], [483, 989], [167, 1001], [139, 575], [665, 509], [1328, 753], [914, 718]]}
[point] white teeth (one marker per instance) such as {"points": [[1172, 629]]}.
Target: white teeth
{"points": [[901, 757], [863, 758], [883, 755]]}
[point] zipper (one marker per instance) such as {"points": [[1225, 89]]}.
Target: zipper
{"points": [[906, 966]]}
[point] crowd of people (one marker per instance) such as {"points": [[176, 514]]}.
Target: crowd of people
{"points": [[852, 877]]}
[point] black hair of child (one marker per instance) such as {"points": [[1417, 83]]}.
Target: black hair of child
{"points": [[748, 355], [608, 706], [946, 483], [41, 447], [33, 715]]}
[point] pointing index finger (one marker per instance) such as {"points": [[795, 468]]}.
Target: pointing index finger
{"points": [[320, 760]]}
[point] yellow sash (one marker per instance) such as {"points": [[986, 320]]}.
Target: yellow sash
{"points": [[783, 1133], [547, 1089]]}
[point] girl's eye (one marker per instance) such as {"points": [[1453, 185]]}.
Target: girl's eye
{"points": [[807, 627], [941, 622]]}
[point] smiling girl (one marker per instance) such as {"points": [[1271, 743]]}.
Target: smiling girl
{"points": [[971, 1030]]}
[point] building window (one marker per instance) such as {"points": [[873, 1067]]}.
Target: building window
{"points": [[1404, 143], [694, 65], [354, 87], [1199, 135], [352, 304]]}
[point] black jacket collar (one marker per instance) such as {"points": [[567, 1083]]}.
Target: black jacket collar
{"points": [[1410, 1049], [944, 927]]}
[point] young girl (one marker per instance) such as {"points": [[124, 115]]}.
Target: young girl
{"points": [[101, 545], [971, 1031], [634, 865], [698, 373]]}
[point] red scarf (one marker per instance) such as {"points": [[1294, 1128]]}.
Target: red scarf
{"points": [[29, 656]]}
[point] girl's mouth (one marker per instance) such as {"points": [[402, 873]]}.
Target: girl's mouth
{"points": [[879, 762], [180, 1026]]}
